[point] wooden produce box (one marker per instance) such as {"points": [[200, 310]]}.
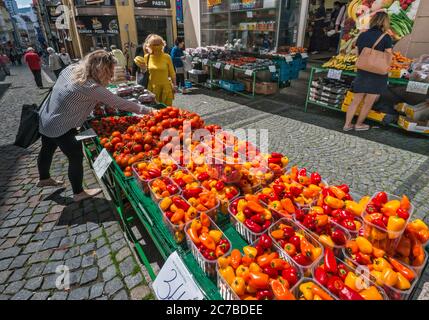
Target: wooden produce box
{"points": [[266, 88]]}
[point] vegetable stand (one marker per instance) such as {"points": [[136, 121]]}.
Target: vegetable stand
{"points": [[375, 116]]}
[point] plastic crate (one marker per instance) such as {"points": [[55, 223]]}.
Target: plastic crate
{"points": [[296, 292], [232, 86], [208, 266]]}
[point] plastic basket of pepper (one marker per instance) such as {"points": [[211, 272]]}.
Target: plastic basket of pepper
{"points": [[309, 289], [397, 279], [295, 242], [249, 217], [162, 187], [207, 242], [344, 281], [385, 218], [204, 202]]}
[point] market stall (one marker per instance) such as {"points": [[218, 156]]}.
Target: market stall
{"points": [[247, 225]]}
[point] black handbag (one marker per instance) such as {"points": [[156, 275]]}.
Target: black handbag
{"points": [[144, 81], [28, 131]]}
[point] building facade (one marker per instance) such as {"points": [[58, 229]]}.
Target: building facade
{"points": [[6, 26], [11, 6]]}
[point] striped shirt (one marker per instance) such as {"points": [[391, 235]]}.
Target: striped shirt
{"points": [[70, 104]]}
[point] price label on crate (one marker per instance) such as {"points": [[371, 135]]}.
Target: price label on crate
{"points": [[228, 67], [249, 14], [90, 133], [288, 58], [205, 61], [417, 87], [304, 55], [273, 69], [102, 162], [217, 65], [175, 282], [334, 74], [248, 72]]}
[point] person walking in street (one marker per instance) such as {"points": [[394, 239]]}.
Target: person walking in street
{"points": [[79, 88], [162, 77], [65, 57], [177, 56], [55, 62], [32, 59], [318, 34], [4, 60], [119, 55], [368, 86]]}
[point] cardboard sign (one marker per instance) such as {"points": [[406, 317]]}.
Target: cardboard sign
{"points": [[248, 72], [90, 133], [102, 163], [334, 74], [175, 282], [417, 87]]}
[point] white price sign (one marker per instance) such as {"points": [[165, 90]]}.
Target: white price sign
{"points": [[272, 69], [102, 162], [174, 281], [334, 74], [417, 87], [205, 61], [90, 133], [217, 65], [249, 14], [304, 55], [288, 58], [248, 72], [228, 67]]}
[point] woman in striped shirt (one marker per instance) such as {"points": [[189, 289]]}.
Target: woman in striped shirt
{"points": [[79, 88]]}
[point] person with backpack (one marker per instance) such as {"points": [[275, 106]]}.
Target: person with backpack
{"points": [[56, 65]]}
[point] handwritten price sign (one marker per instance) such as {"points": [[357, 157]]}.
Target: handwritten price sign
{"points": [[102, 162], [174, 282]]}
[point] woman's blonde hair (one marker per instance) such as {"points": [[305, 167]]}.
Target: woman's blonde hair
{"points": [[381, 21], [97, 65], [153, 38]]}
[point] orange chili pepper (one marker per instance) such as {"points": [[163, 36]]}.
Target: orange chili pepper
{"points": [[255, 207], [277, 234], [177, 216], [406, 272], [280, 290], [235, 258], [405, 203], [287, 204], [207, 241], [306, 247], [320, 292], [340, 194], [265, 259], [205, 220], [194, 236]]}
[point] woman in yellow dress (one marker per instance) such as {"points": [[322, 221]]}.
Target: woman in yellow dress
{"points": [[162, 77]]}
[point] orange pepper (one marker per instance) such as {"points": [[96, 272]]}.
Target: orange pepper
{"points": [[251, 197], [340, 194], [194, 236], [177, 216], [255, 207], [259, 280], [247, 260], [207, 241], [404, 246], [280, 290], [294, 173], [306, 247], [287, 204], [278, 264], [334, 203], [405, 203], [264, 260], [320, 292], [322, 220], [423, 236], [277, 234], [352, 246], [419, 260], [205, 220], [320, 200], [235, 258], [378, 253], [406, 272]]}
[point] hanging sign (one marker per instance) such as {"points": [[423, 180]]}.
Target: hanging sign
{"points": [[152, 3]]}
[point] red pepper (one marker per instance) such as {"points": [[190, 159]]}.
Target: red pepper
{"points": [[349, 224], [291, 275], [247, 212], [330, 261], [335, 284], [233, 209], [278, 188], [180, 203], [326, 192], [172, 188], [219, 185], [282, 243], [299, 214], [263, 197], [295, 191], [348, 197], [154, 173], [336, 213], [260, 249], [288, 232], [344, 187], [342, 271], [224, 245], [253, 226], [362, 258], [180, 182], [266, 225], [258, 218], [264, 295], [302, 172], [345, 214], [309, 222], [347, 293], [301, 259], [372, 208], [385, 220], [203, 176], [321, 276], [295, 240], [169, 214], [275, 160], [315, 178], [379, 222], [339, 237], [265, 241], [276, 155], [380, 198], [402, 213], [326, 209], [272, 273]]}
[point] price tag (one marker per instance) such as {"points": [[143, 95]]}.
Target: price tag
{"points": [[288, 58], [217, 65], [272, 69], [102, 162], [304, 55], [334, 74], [249, 14], [205, 61], [174, 282], [90, 133], [248, 72], [417, 87], [227, 67]]}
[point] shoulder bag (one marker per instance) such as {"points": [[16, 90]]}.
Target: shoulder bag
{"points": [[374, 61], [144, 81]]}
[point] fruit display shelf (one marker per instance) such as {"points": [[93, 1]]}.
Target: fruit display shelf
{"points": [[318, 70]]}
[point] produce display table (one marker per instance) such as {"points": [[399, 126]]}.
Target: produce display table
{"points": [[318, 70]]}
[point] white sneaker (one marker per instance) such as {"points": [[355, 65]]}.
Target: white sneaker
{"points": [[50, 183], [86, 194]]}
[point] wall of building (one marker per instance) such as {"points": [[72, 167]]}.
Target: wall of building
{"points": [[191, 16]]}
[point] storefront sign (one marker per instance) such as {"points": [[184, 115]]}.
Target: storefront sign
{"points": [[175, 282], [417, 87], [152, 3], [102, 163], [97, 25], [334, 74]]}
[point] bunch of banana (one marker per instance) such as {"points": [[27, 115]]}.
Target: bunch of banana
{"points": [[342, 62], [352, 9]]}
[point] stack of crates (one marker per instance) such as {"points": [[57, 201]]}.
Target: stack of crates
{"points": [[296, 67], [284, 71]]}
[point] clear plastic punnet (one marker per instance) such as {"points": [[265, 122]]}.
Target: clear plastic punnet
{"points": [[300, 296], [156, 198], [382, 238]]}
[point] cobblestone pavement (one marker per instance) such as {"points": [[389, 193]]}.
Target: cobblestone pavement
{"points": [[366, 165], [42, 229]]}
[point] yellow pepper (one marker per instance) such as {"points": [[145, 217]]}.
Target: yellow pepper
{"points": [[316, 210], [276, 205], [417, 225], [267, 214], [351, 280], [395, 224], [354, 207], [228, 274], [240, 216], [241, 205], [307, 290], [250, 251], [326, 240], [334, 203], [239, 286], [223, 262], [315, 253], [216, 235], [267, 191], [378, 276], [390, 208], [378, 234], [364, 245], [364, 201], [254, 267], [242, 271], [402, 283], [380, 264], [165, 203], [390, 277], [371, 294]]}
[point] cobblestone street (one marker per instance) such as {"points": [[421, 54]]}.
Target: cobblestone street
{"points": [[41, 229]]}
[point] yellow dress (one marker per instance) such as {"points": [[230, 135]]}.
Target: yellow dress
{"points": [[160, 70]]}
